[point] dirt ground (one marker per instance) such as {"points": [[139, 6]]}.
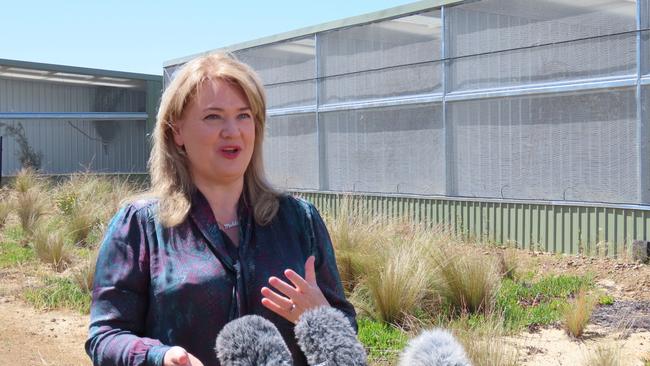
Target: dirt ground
{"points": [[55, 338]]}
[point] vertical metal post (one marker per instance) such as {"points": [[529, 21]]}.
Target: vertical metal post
{"points": [[449, 178], [644, 193], [323, 180]]}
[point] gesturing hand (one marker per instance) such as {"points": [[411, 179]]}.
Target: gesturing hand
{"points": [[302, 296], [178, 356]]}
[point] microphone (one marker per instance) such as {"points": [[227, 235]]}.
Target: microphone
{"points": [[435, 347], [252, 341], [326, 337]]}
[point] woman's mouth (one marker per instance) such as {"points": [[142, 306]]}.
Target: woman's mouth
{"points": [[230, 152]]}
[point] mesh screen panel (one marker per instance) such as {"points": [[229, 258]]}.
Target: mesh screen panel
{"points": [[281, 62], [291, 151], [599, 57], [365, 62], [495, 25], [168, 74], [381, 149], [393, 82], [293, 94], [287, 69], [581, 147]]}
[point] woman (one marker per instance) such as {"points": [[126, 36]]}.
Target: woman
{"points": [[173, 269]]}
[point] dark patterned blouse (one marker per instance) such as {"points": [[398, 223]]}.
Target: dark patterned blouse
{"points": [[159, 287]]}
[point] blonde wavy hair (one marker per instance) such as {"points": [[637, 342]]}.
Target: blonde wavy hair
{"points": [[171, 181]]}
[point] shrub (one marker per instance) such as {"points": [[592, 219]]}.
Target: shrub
{"points": [[577, 314]]}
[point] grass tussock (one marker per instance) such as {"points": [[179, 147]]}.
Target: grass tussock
{"points": [[51, 248], [605, 356], [5, 210], [399, 285], [84, 275], [31, 208], [467, 283], [577, 314], [483, 346]]}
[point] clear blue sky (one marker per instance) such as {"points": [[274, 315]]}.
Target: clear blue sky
{"points": [[138, 36]]}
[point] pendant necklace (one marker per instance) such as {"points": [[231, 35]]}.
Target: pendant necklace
{"points": [[231, 225]]}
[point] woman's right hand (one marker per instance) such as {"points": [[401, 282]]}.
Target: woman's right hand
{"points": [[178, 356]]}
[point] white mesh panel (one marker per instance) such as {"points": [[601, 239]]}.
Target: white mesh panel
{"points": [[581, 147], [599, 57], [494, 25], [374, 52], [291, 151], [385, 149]]}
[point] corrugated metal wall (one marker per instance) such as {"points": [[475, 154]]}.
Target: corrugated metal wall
{"points": [[555, 228], [72, 145]]}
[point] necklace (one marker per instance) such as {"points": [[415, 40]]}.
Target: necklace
{"points": [[231, 225]]}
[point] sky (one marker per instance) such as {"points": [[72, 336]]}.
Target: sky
{"points": [[139, 35]]}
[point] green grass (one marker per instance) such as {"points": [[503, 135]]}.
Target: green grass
{"points": [[383, 342], [13, 254], [59, 293], [524, 304], [605, 299]]}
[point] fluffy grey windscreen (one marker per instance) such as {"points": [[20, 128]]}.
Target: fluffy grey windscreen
{"points": [[251, 341]]}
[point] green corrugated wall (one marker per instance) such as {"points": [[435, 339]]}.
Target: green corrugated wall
{"points": [[555, 228]]}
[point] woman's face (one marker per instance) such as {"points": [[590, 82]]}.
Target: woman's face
{"points": [[218, 132]]}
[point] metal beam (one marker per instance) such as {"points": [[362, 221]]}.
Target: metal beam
{"points": [[94, 116]]}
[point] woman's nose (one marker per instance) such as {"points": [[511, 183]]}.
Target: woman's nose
{"points": [[230, 128]]}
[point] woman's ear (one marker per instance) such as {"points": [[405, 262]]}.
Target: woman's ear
{"points": [[178, 137]]}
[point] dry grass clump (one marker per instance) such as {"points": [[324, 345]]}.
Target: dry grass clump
{"points": [[509, 264], [467, 282], [5, 208], [84, 275], [87, 202], [51, 249], [399, 284], [483, 346], [605, 356], [31, 208], [26, 180], [356, 240], [577, 314]]}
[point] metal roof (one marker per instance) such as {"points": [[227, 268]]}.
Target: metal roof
{"points": [[73, 75]]}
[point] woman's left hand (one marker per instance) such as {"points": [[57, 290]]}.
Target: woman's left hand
{"points": [[302, 296]]}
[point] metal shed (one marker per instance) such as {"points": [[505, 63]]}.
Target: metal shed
{"points": [[67, 119], [520, 121]]}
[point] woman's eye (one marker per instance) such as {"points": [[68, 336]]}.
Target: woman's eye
{"points": [[212, 116], [244, 116]]}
